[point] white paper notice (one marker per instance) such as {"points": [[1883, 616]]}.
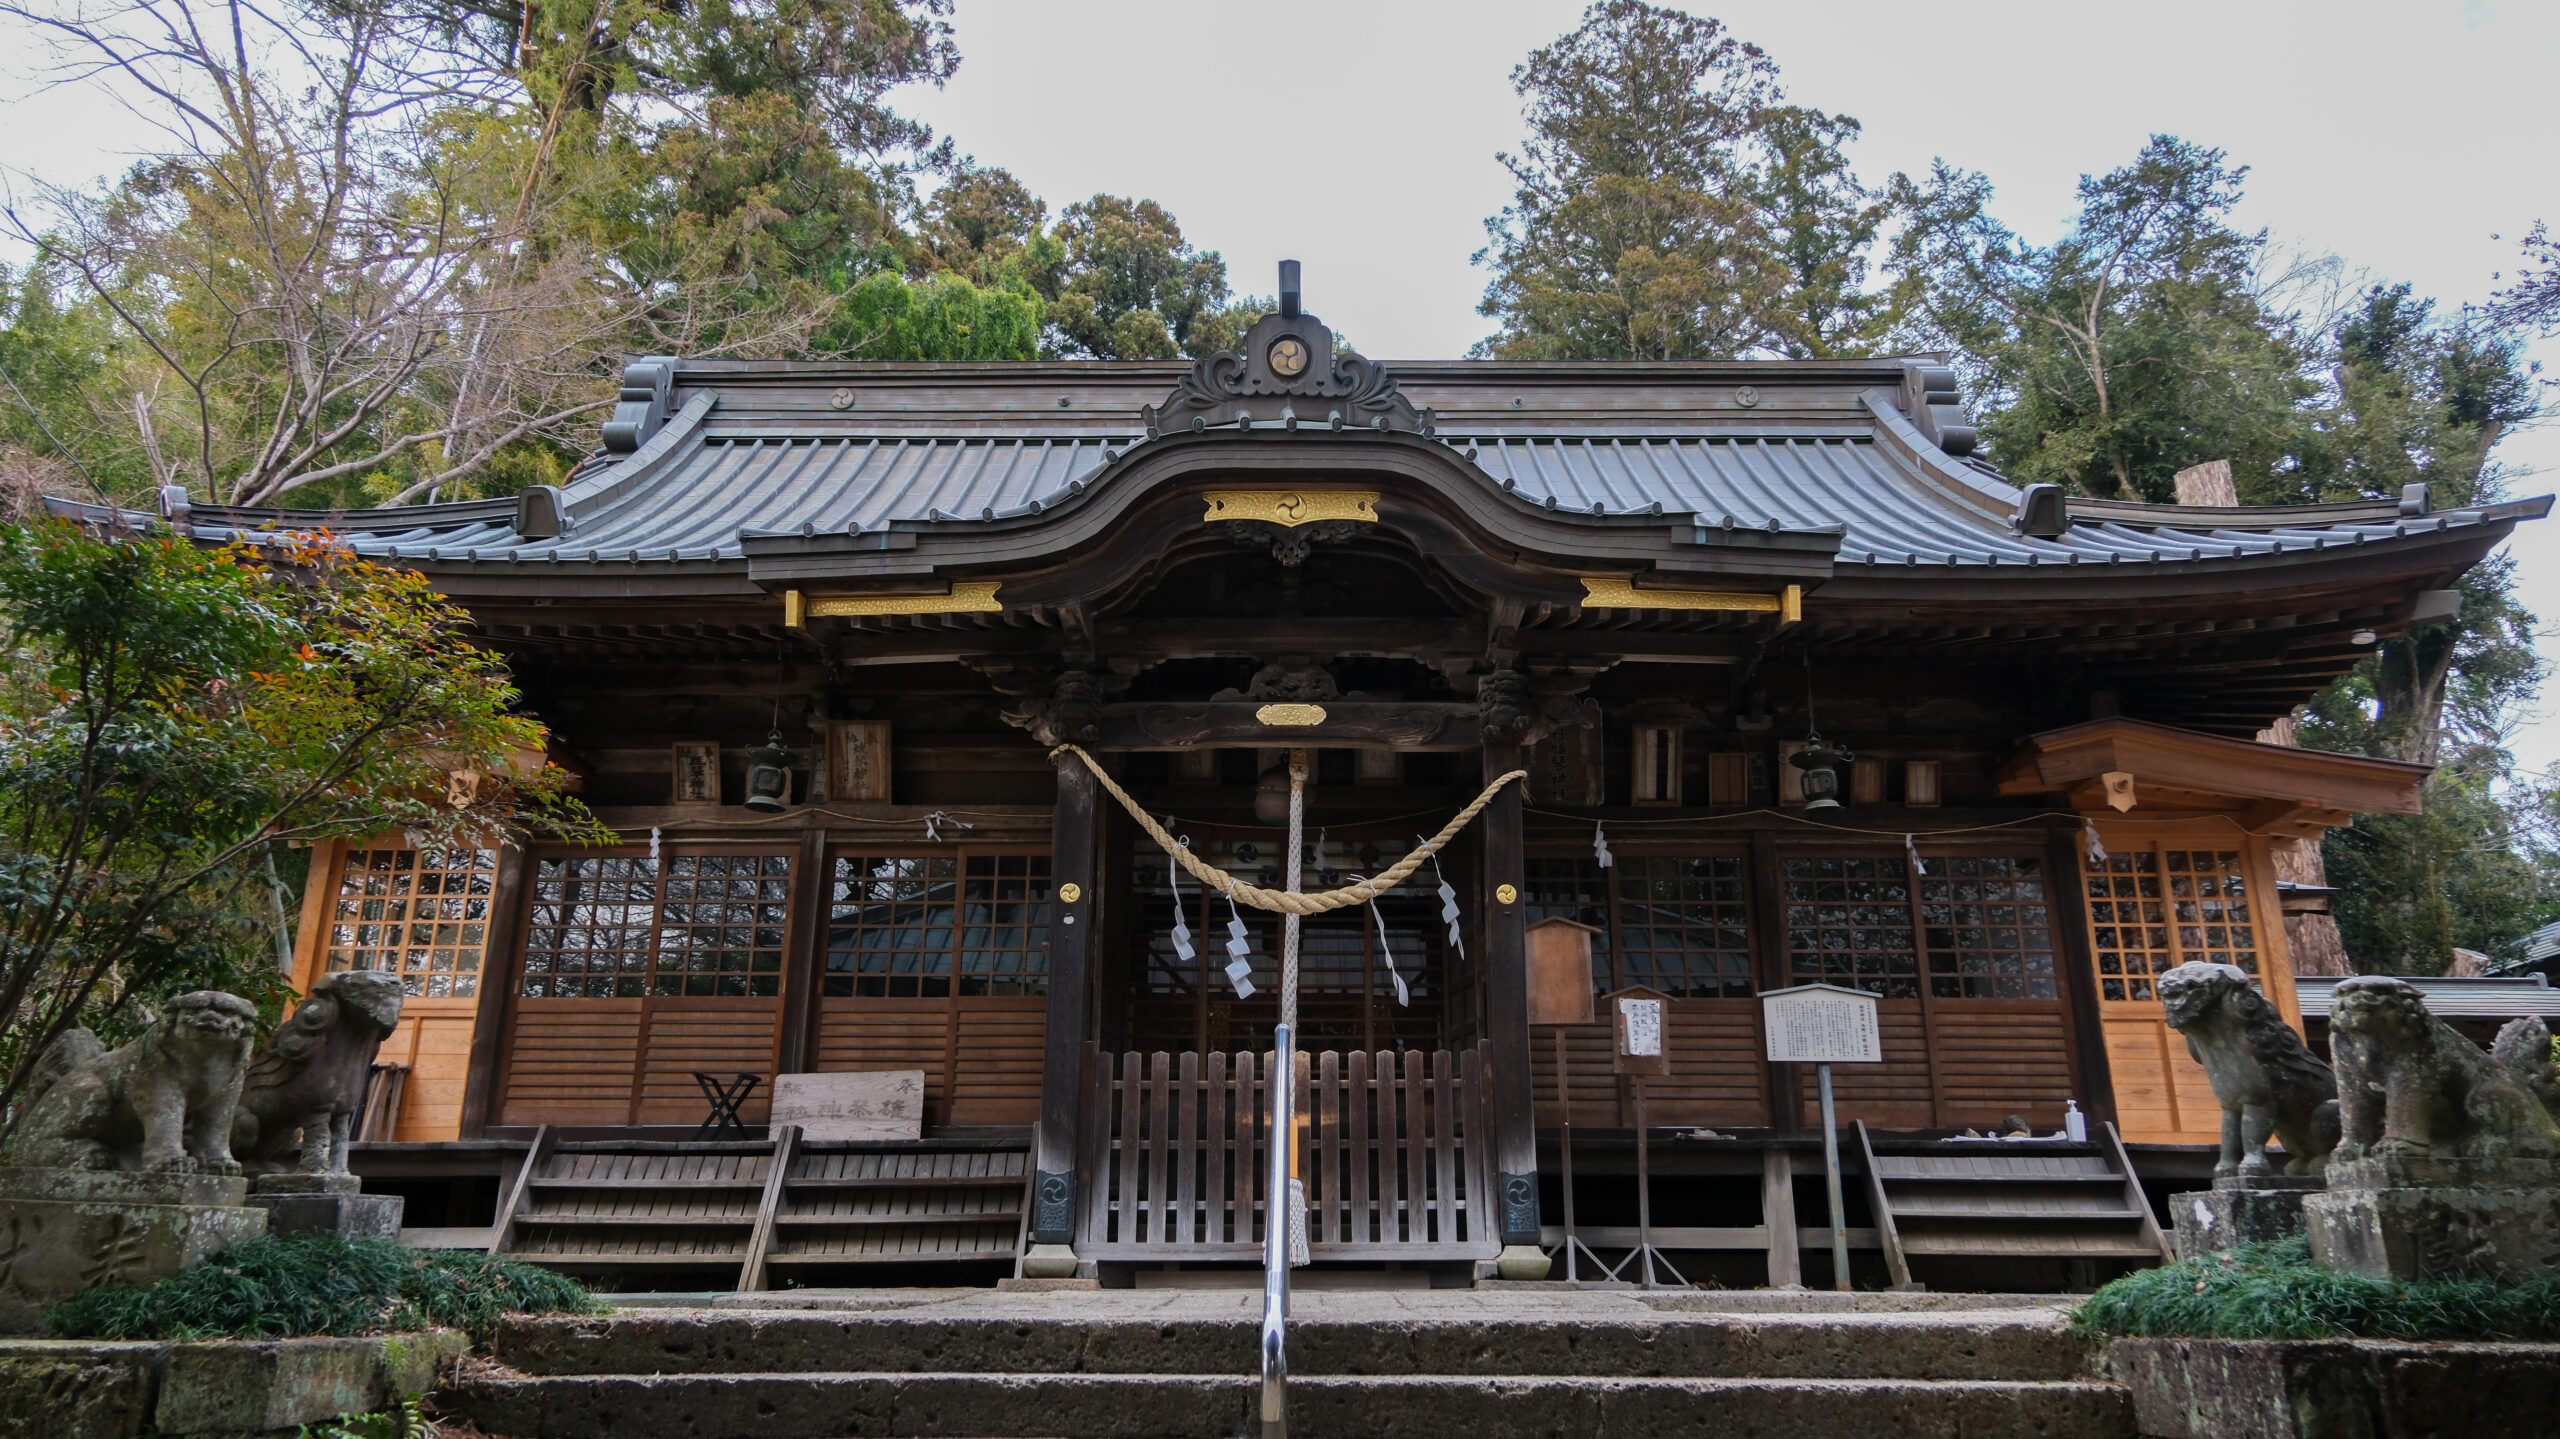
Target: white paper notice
{"points": [[1822, 1026], [1644, 1026]]}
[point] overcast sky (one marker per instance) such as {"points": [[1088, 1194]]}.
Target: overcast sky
{"points": [[2412, 138]]}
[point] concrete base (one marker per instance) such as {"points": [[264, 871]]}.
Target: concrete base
{"points": [[1523, 1261], [65, 1230], [2239, 1210], [1049, 1261], [2413, 1217], [78, 1389], [325, 1204], [2337, 1389]]}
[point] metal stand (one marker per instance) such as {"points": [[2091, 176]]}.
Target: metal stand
{"points": [[1831, 1182], [1564, 1111]]}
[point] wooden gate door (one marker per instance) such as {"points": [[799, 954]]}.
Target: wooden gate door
{"points": [[1392, 1149]]}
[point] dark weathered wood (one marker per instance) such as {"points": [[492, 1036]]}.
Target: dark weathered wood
{"points": [[1778, 1211], [1887, 1234], [499, 963], [1376, 1189], [1073, 860], [805, 945], [535, 1155], [1405, 726], [751, 1273], [1769, 959], [2134, 1198], [1506, 991], [2078, 962]]}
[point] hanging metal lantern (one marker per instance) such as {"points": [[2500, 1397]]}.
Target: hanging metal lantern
{"points": [[769, 775], [1271, 795], [1821, 764]]}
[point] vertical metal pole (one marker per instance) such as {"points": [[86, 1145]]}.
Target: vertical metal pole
{"points": [[1831, 1181], [1564, 1147], [1275, 1237], [1644, 1187], [1289, 922]]}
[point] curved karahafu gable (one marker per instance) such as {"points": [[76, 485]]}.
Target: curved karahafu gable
{"points": [[1704, 505]]}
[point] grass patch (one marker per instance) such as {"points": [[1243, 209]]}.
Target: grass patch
{"points": [[284, 1286], [2275, 1291]]}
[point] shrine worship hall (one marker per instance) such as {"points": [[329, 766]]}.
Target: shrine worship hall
{"points": [[956, 719]]}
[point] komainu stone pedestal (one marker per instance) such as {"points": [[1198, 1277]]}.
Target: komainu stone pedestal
{"points": [[2240, 1209], [65, 1230], [2411, 1217], [325, 1204]]}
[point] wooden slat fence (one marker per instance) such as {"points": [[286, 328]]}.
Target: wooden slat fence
{"points": [[1388, 1151]]}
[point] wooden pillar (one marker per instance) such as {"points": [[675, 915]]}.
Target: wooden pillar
{"points": [[1075, 869], [1769, 960], [1506, 1004], [1778, 1212], [501, 963], [803, 964], [2073, 956]]}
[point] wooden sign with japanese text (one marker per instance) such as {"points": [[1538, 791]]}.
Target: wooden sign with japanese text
{"points": [[1640, 1020], [873, 1104], [1821, 1024]]}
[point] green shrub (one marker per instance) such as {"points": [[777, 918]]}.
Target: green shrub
{"points": [[2275, 1291], [298, 1284]]}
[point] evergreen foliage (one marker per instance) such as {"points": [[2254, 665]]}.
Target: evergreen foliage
{"points": [[2274, 1291], [288, 1286]]}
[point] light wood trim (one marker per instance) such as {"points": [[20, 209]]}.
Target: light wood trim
{"points": [[751, 1273], [311, 927], [2211, 765], [1888, 1235], [534, 1154]]}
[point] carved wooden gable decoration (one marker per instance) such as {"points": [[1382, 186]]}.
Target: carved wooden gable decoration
{"points": [[1287, 373]]}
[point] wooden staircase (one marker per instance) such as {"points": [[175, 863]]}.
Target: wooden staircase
{"points": [[2008, 1199], [746, 1214]]}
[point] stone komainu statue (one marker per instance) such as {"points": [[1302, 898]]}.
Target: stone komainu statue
{"points": [[2409, 1085], [305, 1090], [163, 1102], [2266, 1080]]}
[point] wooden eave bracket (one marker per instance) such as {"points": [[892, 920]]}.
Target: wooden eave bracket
{"points": [[2265, 788]]}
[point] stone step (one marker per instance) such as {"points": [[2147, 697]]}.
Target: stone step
{"points": [[1147, 1406], [2015, 1345]]}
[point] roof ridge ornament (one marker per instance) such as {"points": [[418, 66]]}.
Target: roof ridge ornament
{"points": [[1288, 353]]}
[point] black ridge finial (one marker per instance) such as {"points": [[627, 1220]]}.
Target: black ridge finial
{"points": [[1289, 288]]}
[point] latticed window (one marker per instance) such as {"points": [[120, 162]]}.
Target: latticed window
{"points": [[1978, 926], [1683, 926], [2151, 910], [1849, 924], [1679, 924], [902, 926], [422, 914], [1987, 921], [699, 925]]}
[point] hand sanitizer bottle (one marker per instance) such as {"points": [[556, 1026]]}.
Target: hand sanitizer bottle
{"points": [[2074, 1123]]}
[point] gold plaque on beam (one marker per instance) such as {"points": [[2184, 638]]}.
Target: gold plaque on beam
{"points": [[966, 597], [1612, 592], [1290, 716], [1291, 508]]}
